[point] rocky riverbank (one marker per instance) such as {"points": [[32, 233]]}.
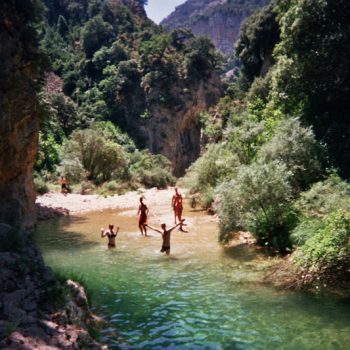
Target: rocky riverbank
{"points": [[36, 311]]}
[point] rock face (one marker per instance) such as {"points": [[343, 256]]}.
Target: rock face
{"points": [[219, 20], [31, 312], [19, 125], [176, 133]]}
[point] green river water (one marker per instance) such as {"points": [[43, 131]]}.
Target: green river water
{"points": [[202, 296]]}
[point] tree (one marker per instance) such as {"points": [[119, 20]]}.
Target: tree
{"points": [[95, 34], [258, 37], [258, 200], [296, 147], [312, 76], [99, 156]]}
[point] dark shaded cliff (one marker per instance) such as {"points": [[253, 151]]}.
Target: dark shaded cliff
{"points": [[219, 20], [19, 115]]}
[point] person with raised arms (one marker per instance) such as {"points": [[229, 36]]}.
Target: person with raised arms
{"points": [[111, 234], [165, 235]]}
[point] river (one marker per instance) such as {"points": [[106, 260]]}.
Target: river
{"points": [[202, 296]]}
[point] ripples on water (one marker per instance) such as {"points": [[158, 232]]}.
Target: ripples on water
{"points": [[201, 297]]}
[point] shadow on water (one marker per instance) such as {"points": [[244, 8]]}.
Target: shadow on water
{"points": [[244, 252], [54, 231]]}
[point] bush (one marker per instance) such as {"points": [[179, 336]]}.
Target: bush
{"points": [[328, 248], [98, 156], [111, 186], [325, 197], [41, 186], [73, 170], [87, 187], [218, 164], [151, 170], [259, 200], [297, 148], [245, 138], [207, 198]]}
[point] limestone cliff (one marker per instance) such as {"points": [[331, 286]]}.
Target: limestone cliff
{"points": [[176, 132], [219, 20], [19, 125]]}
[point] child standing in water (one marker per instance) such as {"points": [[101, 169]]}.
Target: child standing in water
{"points": [[142, 212], [166, 235], [111, 234]]}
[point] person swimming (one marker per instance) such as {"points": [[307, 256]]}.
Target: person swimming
{"points": [[111, 234]]}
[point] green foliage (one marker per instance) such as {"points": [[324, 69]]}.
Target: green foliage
{"points": [[325, 197], [151, 170], [297, 148], [258, 36], [41, 186], [49, 153], [113, 133], [99, 156], [328, 248], [95, 34], [259, 200], [72, 169], [216, 165], [245, 139], [311, 79], [201, 58]]}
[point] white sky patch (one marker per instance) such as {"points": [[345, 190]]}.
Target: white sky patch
{"points": [[159, 9]]}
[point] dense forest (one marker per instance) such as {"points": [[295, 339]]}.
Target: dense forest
{"points": [[111, 68], [276, 163]]}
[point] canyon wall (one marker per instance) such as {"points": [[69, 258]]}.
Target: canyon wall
{"points": [[19, 127], [219, 20], [176, 132]]}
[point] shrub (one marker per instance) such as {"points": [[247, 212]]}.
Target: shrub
{"points": [[151, 170], [207, 198], [328, 247], [218, 164], [325, 197], [99, 157], [87, 187], [297, 148], [259, 200], [111, 186], [41, 186], [245, 139], [73, 170]]}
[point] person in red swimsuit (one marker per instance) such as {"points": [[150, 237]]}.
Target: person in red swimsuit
{"points": [[142, 213], [176, 203]]}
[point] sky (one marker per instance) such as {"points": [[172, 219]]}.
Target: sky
{"points": [[159, 9]]}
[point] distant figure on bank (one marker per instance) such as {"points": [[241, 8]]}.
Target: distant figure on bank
{"points": [[165, 235], [142, 213], [64, 185], [176, 203], [111, 234]]}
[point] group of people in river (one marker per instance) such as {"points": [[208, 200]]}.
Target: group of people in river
{"points": [[142, 213]]}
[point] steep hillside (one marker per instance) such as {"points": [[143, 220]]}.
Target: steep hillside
{"points": [[117, 66], [219, 20]]}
